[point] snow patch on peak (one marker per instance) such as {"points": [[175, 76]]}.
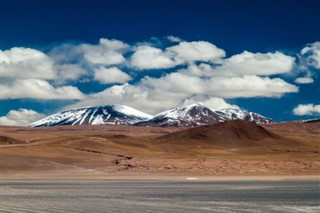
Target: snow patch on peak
{"points": [[199, 104], [130, 111], [190, 115], [238, 114], [181, 111], [108, 114]]}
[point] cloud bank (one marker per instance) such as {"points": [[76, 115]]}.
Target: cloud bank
{"points": [[38, 89], [110, 75], [20, 62], [150, 76]]}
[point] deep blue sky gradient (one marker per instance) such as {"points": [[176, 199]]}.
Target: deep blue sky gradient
{"points": [[234, 25]]}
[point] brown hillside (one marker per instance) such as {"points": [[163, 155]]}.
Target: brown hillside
{"points": [[8, 140], [237, 133], [104, 151]]}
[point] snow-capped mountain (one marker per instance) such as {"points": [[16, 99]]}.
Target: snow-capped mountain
{"points": [[191, 115], [109, 114], [199, 114], [237, 114], [183, 116]]}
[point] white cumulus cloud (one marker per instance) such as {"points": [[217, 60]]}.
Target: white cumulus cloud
{"points": [[27, 73], [146, 57], [110, 75], [21, 117], [99, 55], [37, 89], [195, 51], [113, 44], [312, 54], [306, 109], [70, 72], [225, 87], [248, 63], [107, 52], [20, 62]]}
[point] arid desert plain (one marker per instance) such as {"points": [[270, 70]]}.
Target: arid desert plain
{"points": [[228, 150]]}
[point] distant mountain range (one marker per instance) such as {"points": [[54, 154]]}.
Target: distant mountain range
{"points": [[199, 114], [183, 116]]}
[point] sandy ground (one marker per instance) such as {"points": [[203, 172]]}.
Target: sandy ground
{"points": [[120, 152]]}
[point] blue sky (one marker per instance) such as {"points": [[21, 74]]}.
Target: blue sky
{"points": [[261, 56]]}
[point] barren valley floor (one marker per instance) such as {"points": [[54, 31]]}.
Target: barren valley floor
{"points": [[232, 149]]}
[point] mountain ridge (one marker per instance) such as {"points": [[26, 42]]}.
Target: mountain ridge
{"points": [[94, 115], [198, 115], [182, 116]]}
